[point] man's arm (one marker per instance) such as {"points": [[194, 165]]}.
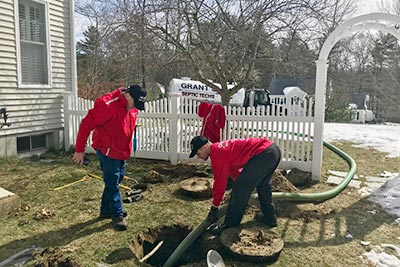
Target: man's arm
{"points": [[96, 116], [221, 171]]}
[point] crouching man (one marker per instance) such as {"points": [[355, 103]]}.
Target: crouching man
{"points": [[250, 163]]}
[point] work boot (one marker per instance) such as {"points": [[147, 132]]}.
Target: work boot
{"points": [[119, 223], [109, 216], [270, 221], [133, 192], [133, 198]]}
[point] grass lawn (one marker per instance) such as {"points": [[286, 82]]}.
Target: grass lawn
{"points": [[314, 234]]}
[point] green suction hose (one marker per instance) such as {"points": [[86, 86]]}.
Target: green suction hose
{"points": [[295, 197], [319, 197], [185, 244]]}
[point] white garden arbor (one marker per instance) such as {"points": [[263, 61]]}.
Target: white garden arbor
{"points": [[374, 21]]}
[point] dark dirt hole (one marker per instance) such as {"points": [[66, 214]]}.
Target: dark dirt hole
{"points": [[170, 237]]}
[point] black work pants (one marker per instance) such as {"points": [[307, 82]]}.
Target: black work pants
{"points": [[256, 173]]}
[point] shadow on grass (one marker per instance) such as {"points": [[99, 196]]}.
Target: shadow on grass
{"points": [[54, 238], [357, 220]]}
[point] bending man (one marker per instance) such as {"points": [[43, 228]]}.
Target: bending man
{"points": [[250, 163]]}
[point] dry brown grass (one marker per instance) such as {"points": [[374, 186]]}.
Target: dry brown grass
{"points": [[314, 235]]}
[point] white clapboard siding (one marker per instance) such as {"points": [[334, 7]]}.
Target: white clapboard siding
{"points": [[7, 55], [37, 108], [168, 125]]}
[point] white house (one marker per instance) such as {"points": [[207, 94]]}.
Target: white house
{"points": [[37, 66], [359, 105]]}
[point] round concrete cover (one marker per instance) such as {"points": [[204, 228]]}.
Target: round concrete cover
{"points": [[252, 243], [197, 186]]}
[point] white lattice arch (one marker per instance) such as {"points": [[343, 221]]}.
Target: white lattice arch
{"points": [[375, 21]]}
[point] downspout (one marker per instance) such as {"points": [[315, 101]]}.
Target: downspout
{"points": [[74, 86]]}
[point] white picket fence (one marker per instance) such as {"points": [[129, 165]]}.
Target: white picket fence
{"points": [[168, 125]]}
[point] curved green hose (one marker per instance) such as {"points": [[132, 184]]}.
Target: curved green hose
{"points": [[295, 197], [319, 197]]}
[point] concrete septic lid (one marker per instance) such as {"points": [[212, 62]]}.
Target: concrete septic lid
{"points": [[4, 193], [197, 186], [252, 243], [8, 202]]}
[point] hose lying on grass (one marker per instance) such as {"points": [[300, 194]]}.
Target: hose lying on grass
{"points": [[295, 197]]}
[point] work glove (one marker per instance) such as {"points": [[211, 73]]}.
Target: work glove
{"points": [[213, 215]]}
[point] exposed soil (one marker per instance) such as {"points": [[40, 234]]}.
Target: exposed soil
{"points": [[167, 239], [280, 183], [253, 243], [185, 170], [153, 177], [298, 177], [44, 214], [54, 257]]}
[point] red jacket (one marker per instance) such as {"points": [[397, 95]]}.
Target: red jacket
{"points": [[228, 159], [213, 120], [113, 126]]}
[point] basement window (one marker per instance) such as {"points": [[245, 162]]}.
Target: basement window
{"points": [[31, 143]]}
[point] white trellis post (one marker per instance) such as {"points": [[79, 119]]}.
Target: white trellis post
{"points": [[319, 117], [377, 21]]}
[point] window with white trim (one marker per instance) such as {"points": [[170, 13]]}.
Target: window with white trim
{"points": [[33, 42]]}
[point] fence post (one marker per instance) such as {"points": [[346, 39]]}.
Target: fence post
{"points": [[319, 111], [67, 121], [173, 130]]}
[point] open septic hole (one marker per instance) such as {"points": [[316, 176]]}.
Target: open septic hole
{"points": [[169, 238], [250, 242]]}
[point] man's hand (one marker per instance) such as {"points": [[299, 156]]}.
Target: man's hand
{"points": [[213, 215], [78, 157]]}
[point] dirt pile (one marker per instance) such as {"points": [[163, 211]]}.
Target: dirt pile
{"points": [[279, 183], [186, 170], [298, 177], [54, 257]]}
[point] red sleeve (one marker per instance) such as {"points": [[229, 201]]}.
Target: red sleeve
{"points": [[220, 117], [96, 116], [221, 170]]}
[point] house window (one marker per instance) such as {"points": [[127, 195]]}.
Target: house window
{"points": [[33, 42], [30, 143]]}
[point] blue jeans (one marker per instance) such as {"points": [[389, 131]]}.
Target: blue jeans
{"points": [[113, 173]]}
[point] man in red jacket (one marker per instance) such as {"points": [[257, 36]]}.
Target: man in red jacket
{"points": [[250, 163], [113, 121]]}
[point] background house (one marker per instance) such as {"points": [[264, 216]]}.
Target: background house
{"points": [[37, 66], [278, 84], [361, 110]]}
